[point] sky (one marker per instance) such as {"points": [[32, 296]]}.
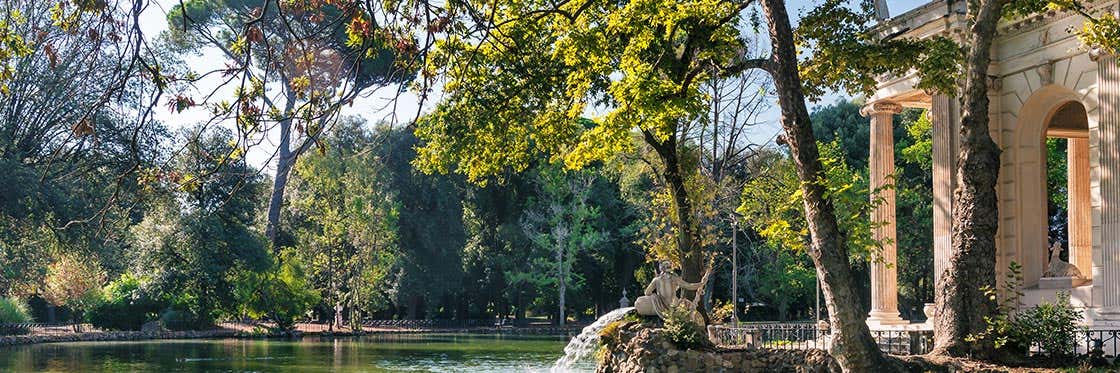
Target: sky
{"points": [[378, 106]]}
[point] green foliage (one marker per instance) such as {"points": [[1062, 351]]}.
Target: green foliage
{"points": [[1053, 327], [12, 46], [176, 318], [920, 151], [682, 329], [609, 334], [560, 222], [127, 304], [14, 310], [345, 216], [524, 89], [280, 293], [773, 204], [722, 312], [1002, 330], [192, 239], [848, 54]]}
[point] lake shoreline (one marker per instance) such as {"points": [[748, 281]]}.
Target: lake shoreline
{"points": [[113, 336], [110, 336]]}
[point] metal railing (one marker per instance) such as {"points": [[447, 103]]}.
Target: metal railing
{"points": [[793, 335], [808, 335], [27, 328], [904, 342]]}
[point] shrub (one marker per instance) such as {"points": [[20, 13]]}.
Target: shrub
{"points": [[1051, 326], [682, 330], [281, 293], [14, 310], [722, 312], [180, 319], [1001, 332], [126, 305]]}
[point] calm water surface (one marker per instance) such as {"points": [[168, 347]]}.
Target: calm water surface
{"points": [[411, 353]]}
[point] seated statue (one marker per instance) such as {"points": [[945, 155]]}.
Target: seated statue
{"points": [[1059, 268], [662, 292]]}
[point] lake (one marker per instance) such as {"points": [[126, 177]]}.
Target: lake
{"points": [[396, 353]]}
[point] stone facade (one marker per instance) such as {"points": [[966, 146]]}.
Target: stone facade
{"points": [[1045, 84]]}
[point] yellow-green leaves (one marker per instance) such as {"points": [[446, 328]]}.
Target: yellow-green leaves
{"points": [[843, 52], [1100, 30], [12, 46], [1103, 32], [525, 85]]}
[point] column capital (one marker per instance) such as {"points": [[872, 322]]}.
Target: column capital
{"points": [[880, 107]]}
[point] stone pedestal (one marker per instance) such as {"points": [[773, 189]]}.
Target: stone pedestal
{"points": [[1060, 282]]}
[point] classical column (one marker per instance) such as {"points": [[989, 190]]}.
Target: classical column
{"points": [[884, 273], [945, 115], [1080, 207], [1106, 273]]}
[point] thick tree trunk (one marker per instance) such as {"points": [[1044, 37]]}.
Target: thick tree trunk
{"points": [[961, 305], [284, 162], [285, 159], [852, 345], [687, 225]]}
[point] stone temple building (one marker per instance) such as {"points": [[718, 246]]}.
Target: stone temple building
{"points": [[1044, 84]]}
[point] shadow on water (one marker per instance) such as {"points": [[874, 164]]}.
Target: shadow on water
{"points": [[387, 353]]}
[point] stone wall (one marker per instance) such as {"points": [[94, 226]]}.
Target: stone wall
{"points": [[113, 336], [630, 347]]}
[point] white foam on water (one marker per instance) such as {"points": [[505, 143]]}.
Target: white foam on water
{"points": [[586, 342]]}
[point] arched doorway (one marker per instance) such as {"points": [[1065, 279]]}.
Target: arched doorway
{"points": [[1069, 203], [1056, 115]]}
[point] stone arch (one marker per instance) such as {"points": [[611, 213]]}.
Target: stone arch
{"points": [[1034, 119]]}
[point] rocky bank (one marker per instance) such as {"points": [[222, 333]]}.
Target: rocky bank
{"points": [[630, 347]]}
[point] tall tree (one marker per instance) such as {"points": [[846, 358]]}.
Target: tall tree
{"points": [[344, 216], [292, 66], [641, 61], [560, 221]]}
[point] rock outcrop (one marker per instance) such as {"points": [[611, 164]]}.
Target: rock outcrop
{"points": [[631, 347]]}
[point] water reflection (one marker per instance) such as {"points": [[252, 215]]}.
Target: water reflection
{"points": [[403, 353]]}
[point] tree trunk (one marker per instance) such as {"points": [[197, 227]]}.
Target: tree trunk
{"points": [[852, 345], [961, 305], [285, 159], [685, 220], [563, 282]]}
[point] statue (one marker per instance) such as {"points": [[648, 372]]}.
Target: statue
{"points": [[1059, 268], [662, 292], [624, 301]]}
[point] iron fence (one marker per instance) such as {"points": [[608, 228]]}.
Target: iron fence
{"points": [[27, 328], [807, 335], [793, 335]]}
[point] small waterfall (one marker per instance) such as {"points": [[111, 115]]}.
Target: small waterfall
{"points": [[587, 340]]}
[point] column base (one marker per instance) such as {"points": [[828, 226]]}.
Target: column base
{"points": [[881, 318]]}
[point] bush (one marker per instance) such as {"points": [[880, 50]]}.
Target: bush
{"points": [[14, 311], [126, 306], [722, 312], [179, 319], [1051, 326], [682, 330], [281, 293]]}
